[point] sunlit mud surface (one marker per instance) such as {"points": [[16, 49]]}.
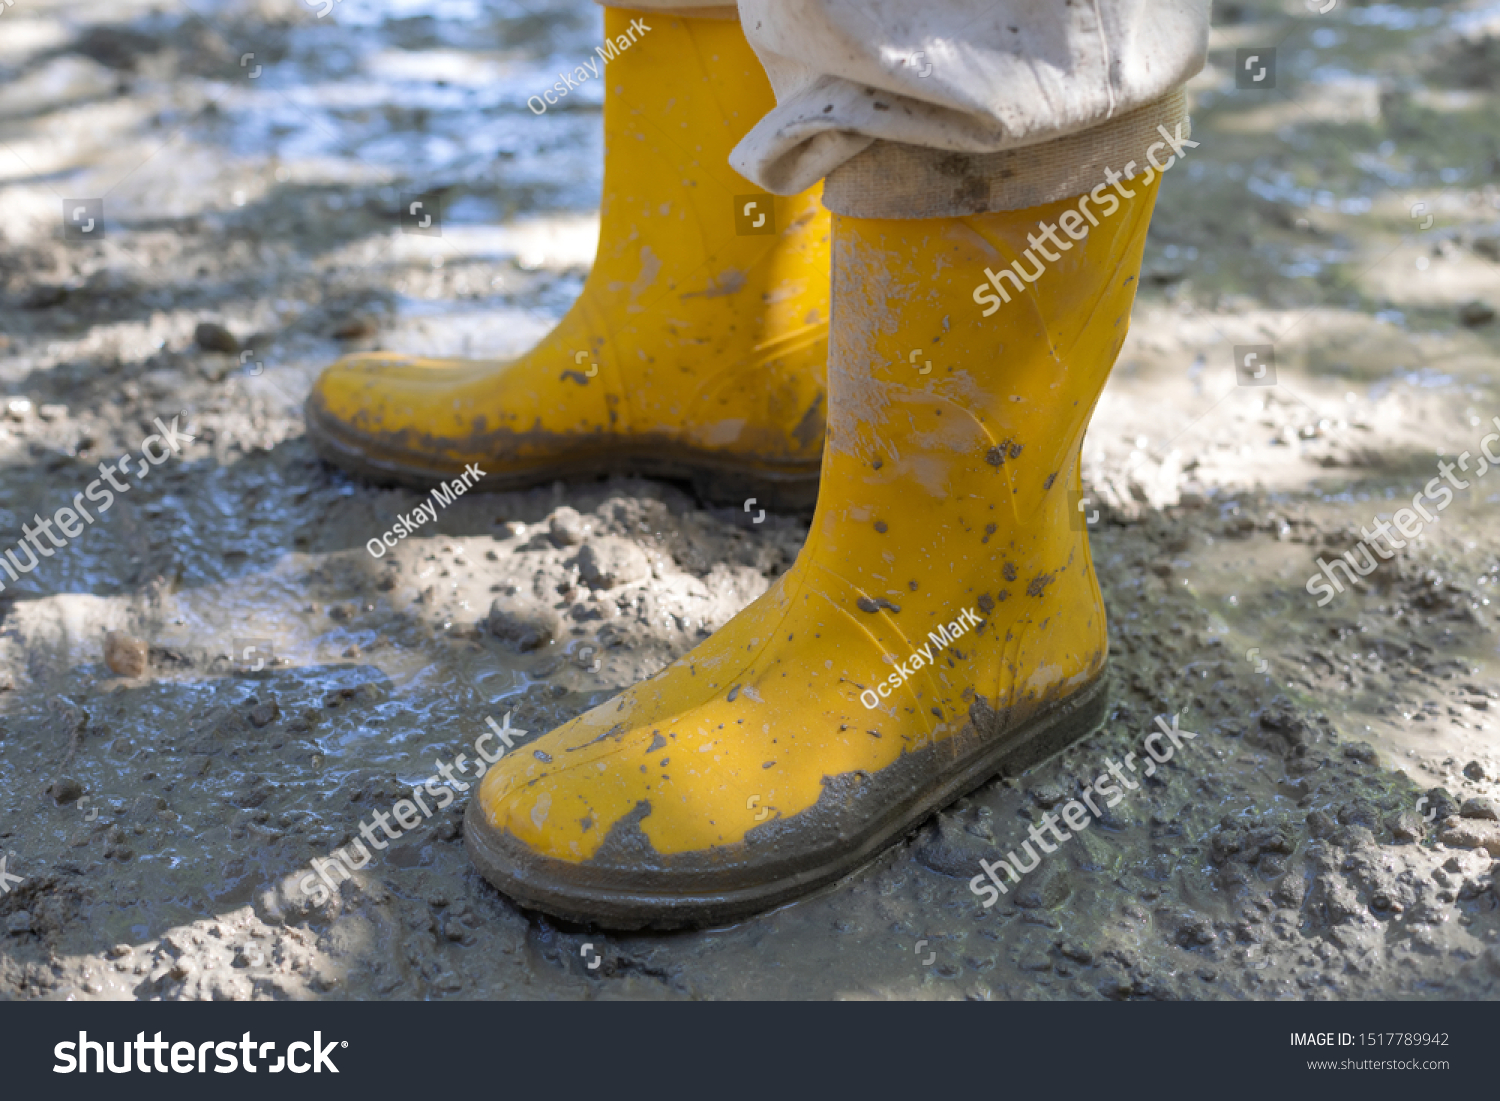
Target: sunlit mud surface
{"points": [[1331, 832]]}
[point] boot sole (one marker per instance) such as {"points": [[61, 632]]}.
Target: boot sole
{"points": [[554, 887], [715, 477]]}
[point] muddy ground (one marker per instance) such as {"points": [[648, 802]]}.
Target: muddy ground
{"points": [[1331, 833]]}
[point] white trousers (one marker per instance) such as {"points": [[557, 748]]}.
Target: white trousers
{"points": [[928, 108]]}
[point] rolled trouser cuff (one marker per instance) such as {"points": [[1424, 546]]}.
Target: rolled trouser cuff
{"points": [[698, 9], [895, 180]]}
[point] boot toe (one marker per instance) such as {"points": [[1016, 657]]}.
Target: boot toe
{"points": [[588, 823], [396, 419]]}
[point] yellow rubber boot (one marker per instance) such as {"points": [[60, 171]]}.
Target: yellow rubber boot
{"points": [[942, 622], [697, 348]]}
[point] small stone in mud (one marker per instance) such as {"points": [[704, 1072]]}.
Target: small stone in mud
{"points": [[18, 923], [44, 297], [1048, 794], [212, 337], [1045, 890], [125, 654], [356, 326], [66, 790], [1475, 771], [263, 714], [611, 561], [1036, 960], [1440, 804], [1472, 833], [1475, 313], [1076, 952], [1290, 891], [528, 627], [566, 527], [1480, 807], [1194, 931], [948, 849], [1407, 827]]}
